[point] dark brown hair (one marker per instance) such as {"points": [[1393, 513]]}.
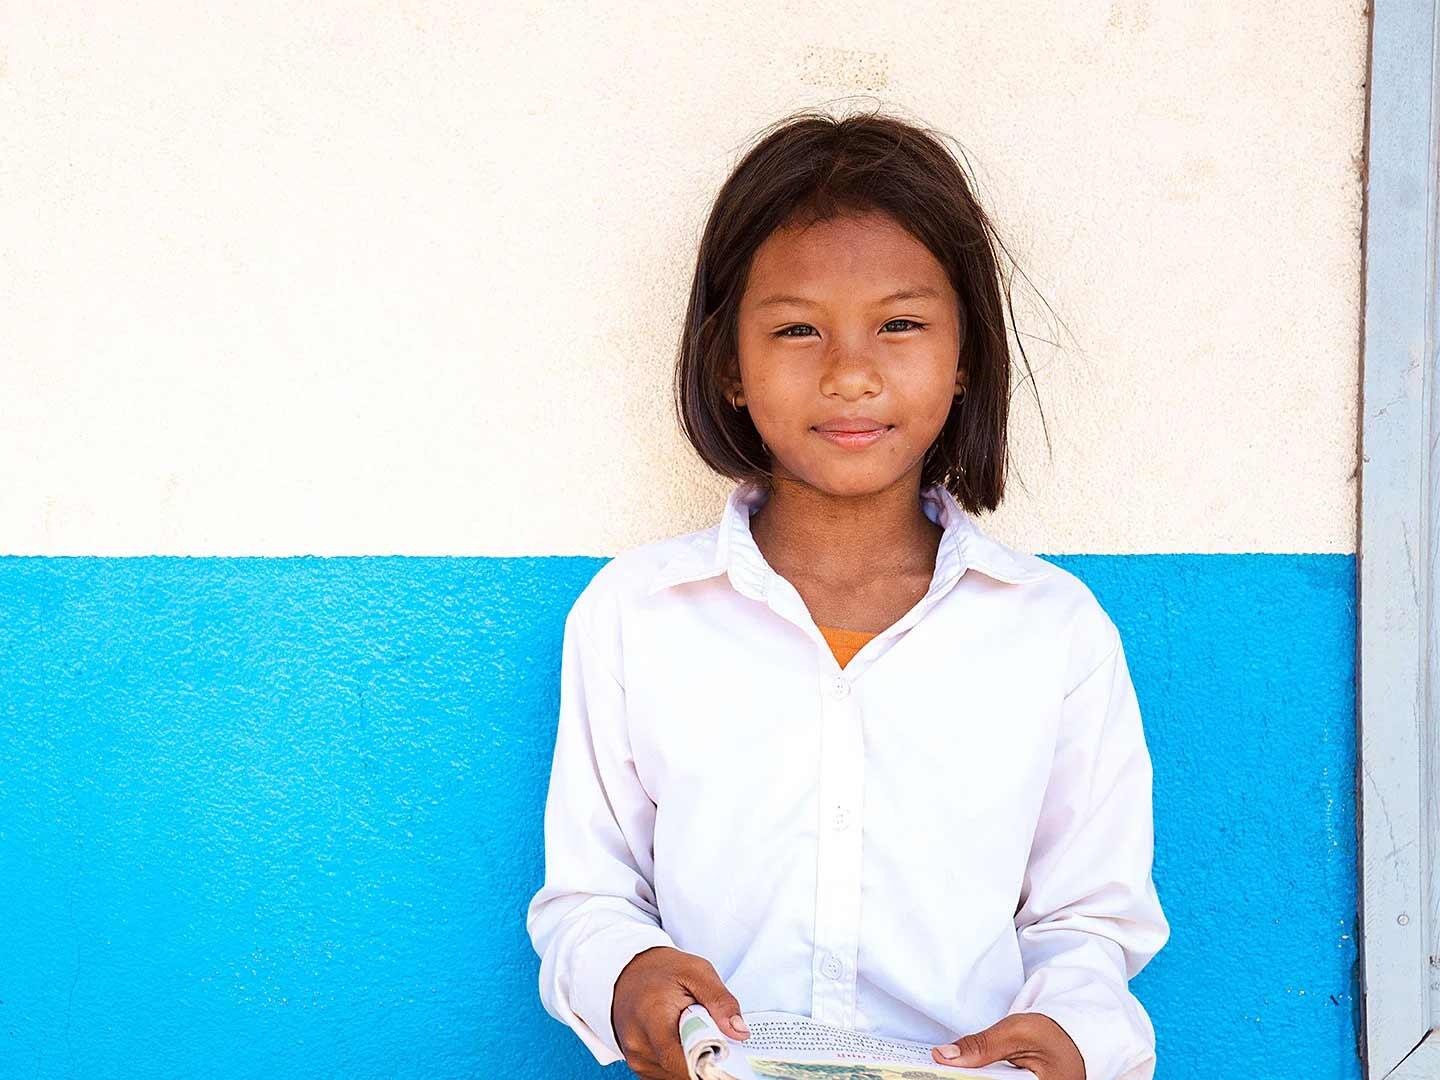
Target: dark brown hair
{"points": [[810, 166]]}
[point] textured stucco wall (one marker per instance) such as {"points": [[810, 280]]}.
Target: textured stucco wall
{"points": [[306, 281], [287, 281]]}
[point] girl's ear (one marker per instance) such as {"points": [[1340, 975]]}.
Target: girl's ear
{"points": [[733, 388]]}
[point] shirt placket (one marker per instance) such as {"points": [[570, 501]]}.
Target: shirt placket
{"points": [[837, 862], [841, 796]]}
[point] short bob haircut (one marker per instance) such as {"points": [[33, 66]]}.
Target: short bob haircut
{"points": [[809, 167]]}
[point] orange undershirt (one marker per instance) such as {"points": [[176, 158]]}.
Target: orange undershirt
{"points": [[845, 643]]}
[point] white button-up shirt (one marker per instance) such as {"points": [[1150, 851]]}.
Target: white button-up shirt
{"points": [[955, 826]]}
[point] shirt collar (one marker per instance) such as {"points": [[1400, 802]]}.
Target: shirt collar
{"points": [[728, 545]]}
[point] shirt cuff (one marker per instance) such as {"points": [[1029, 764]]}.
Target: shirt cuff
{"points": [[1108, 1025], [599, 960]]}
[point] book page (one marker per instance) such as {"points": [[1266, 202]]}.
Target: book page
{"points": [[784, 1046]]}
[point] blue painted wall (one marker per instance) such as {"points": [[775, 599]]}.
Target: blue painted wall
{"points": [[282, 817]]}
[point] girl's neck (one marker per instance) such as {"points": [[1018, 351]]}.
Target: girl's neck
{"points": [[845, 541]]}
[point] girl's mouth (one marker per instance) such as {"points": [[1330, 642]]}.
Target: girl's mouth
{"points": [[854, 440]]}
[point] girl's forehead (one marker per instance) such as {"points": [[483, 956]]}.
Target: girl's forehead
{"points": [[878, 256], [871, 230]]}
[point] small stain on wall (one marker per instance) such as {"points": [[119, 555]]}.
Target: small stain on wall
{"points": [[1190, 182], [1130, 14], [852, 69]]}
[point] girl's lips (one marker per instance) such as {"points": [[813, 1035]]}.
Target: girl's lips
{"points": [[852, 439]]}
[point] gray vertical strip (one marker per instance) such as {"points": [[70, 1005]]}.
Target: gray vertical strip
{"points": [[1398, 643], [1431, 357]]}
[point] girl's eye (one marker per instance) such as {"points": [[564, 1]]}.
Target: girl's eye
{"points": [[910, 324]]}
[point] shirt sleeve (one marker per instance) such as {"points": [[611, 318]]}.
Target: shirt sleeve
{"points": [[596, 909], [1089, 918]]}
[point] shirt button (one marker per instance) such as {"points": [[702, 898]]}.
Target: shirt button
{"points": [[832, 967], [839, 686], [841, 818]]}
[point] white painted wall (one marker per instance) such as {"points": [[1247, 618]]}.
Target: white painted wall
{"points": [[408, 279]]}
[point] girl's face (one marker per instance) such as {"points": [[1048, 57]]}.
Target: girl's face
{"points": [[825, 339]]}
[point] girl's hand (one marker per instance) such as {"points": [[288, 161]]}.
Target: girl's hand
{"points": [[652, 991], [1028, 1040]]}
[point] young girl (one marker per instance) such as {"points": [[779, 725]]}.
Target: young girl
{"points": [[842, 753]]}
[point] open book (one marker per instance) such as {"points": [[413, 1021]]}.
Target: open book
{"points": [[786, 1046]]}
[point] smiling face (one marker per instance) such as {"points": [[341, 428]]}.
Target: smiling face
{"points": [[825, 341]]}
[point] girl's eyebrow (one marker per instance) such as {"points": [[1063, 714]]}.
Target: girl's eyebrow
{"points": [[911, 292]]}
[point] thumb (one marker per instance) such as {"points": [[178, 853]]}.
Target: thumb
{"points": [[707, 988], [995, 1043]]}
